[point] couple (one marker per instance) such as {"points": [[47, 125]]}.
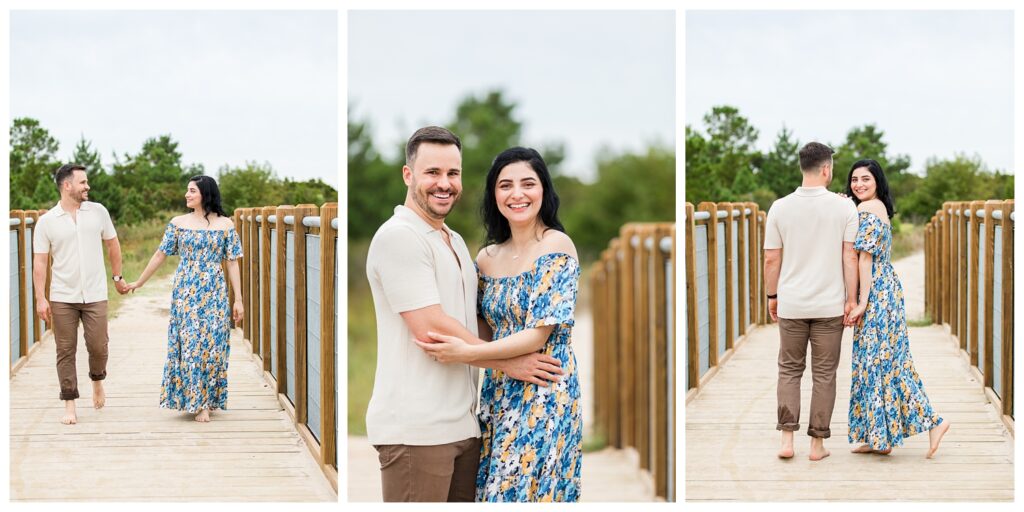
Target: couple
{"points": [[819, 250], [440, 318], [73, 233]]}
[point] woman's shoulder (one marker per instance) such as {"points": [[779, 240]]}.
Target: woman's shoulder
{"points": [[485, 257], [179, 221], [555, 241], [874, 206], [222, 223]]}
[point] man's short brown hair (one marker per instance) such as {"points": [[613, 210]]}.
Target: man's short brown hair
{"points": [[433, 134], [813, 155], [64, 172]]}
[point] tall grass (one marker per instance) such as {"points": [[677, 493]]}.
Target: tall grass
{"points": [[362, 338], [907, 239], [138, 243]]}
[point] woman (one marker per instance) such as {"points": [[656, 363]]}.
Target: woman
{"points": [[529, 276], [887, 398], [196, 372]]}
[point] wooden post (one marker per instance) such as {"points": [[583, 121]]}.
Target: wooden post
{"points": [[301, 384], [243, 271], [268, 284], [743, 295], [962, 298], [615, 437], [659, 362], [596, 313], [37, 324], [1007, 320], [252, 303], [641, 323], [282, 297], [23, 294], [692, 354], [762, 300], [713, 298], [328, 338], [729, 298], [627, 352], [972, 328], [989, 239]]}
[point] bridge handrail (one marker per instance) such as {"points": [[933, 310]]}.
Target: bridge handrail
{"points": [[634, 333], [288, 275], [969, 289]]}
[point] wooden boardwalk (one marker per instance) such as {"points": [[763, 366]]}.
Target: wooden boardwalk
{"points": [[731, 439], [131, 450]]}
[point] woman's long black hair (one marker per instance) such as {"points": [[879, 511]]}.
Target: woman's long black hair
{"points": [[211, 195], [498, 230], [881, 184]]}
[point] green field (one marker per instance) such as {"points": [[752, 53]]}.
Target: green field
{"points": [[138, 243]]}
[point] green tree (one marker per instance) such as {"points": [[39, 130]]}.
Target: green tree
{"points": [[33, 160], [962, 178], [252, 185], [779, 169], [152, 181], [723, 159], [375, 186], [868, 142], [101, 188], [313, 191]]}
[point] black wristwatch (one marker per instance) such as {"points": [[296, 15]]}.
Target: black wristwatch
{"points": [[776, 296]]}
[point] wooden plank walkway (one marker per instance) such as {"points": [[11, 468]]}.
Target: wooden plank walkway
{"points": [[131, 450], [608, 474], [731, 439]]}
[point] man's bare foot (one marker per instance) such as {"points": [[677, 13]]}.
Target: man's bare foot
{"points": [[818, 450], [69, 418], [935, 437], [786, 451], [203, 416], [99, 398]]}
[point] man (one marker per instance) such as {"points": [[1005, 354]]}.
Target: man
{"points": [[422, 414], [72, 232], [810, 268]]}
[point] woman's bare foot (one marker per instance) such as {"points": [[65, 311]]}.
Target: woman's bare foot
{"points": [[866, 448], [69, 418], [935, 437], [818, 450], [99, 398], [786, 451], [203, 416]]}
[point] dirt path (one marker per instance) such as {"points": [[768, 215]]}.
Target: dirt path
{"points": [[910, 269]]}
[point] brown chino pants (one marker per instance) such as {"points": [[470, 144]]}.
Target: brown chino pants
{"points": [[825, 336], [445, 472], [66, 316]]}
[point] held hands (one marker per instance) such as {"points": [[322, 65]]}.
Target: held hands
{"points": [[855, 312], [446, 349], [122, 287]]}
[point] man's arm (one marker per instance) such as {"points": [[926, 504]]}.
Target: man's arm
{"points": [[114, 253], [39, 263], [535, 368], [772, 269], [850, 277]]}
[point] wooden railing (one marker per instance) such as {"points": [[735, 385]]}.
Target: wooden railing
{"points": [[634, 347], [289, 286], [26, 327], [969, 288], [724, 283]]}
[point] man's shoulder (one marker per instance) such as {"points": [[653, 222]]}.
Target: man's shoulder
{"points": [[95, 205], [394, 233]]}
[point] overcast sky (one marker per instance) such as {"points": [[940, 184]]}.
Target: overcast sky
{"points": [[585, 78], [936, 82], [230, 87]]}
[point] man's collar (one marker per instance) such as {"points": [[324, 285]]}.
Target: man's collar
{"points": [[406, 213], [59, 210]]}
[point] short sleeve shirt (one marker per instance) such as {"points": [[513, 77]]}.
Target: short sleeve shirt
{"points": [[76, 246], [810, 226], [416, 400]]}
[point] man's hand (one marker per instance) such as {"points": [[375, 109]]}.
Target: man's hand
{"points": [[43, 310], [535, 368], [773, 309], [122, 287], [849, 306], [854, 316]]}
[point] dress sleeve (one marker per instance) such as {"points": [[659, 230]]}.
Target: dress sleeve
{"points": [[169, 245], [869, 234], [233, 246], [553, 297]]}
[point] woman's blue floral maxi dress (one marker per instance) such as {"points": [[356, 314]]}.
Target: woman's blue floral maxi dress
{"points": [[887, 398], [196, 370], [531, 434]]}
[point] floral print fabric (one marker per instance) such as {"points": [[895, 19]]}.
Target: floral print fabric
{"points": [[531, 434], [887, 398], [196, 371]]}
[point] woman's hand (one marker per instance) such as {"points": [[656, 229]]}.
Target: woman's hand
{"points": [[238, 312], [447, 349], [856, 313], [135, 285]]}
